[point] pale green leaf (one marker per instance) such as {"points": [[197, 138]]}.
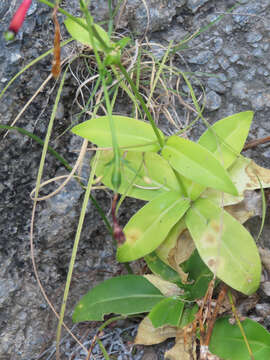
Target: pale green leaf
{"points": [[227, 341], [146, 230], [82, 35], [125, 295], [197, 164], [225, 246], [226, 138], [167, 312], [136, 135], [143, 175]]}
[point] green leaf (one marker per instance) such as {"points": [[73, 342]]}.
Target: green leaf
{"points": [[188, 314], [227, 341], [226, 138], [144, 175], [163, 251], [167, 312], [198, 164], [82, 35], [225, 246], [146, 230], [134, 134], [158, 267], [125, 295], [199, 274]]}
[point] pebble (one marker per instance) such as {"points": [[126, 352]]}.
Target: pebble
{"points": [[240, 90], [213, 101], [194, 5], [215, 84], [200, 59], [253, 37]]}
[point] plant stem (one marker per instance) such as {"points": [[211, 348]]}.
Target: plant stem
{"points": [[74, 253]]}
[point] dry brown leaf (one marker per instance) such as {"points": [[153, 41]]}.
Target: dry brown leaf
{"points": [[265, 257], [149, 335], [166, 287], [244, 174], [184, 348], [181, 252], [249, 207], [170, 242]]}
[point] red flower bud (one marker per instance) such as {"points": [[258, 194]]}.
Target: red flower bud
{"points": [[19, 16]]}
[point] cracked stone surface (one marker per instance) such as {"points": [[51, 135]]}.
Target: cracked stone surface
{"points": [[230, 59]]}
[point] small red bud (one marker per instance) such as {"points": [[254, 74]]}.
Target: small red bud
{"points": [[19, 16]]}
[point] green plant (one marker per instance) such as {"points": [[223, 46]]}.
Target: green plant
{"points": [[185, 234], [188, 186]]}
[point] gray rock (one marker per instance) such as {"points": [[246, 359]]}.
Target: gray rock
{"points": [[253, 37], [213, 101], [240, 90], [194, 5], [216, 85], [201, 58]]}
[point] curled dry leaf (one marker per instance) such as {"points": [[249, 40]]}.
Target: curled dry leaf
{"points": [[265, 257], [149, 335], [184, 348], [183, 249], [249, 207], [167, 288], [244, 174]]}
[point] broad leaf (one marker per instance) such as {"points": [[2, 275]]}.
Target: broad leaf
{"points": [[227, 341], [146, 230], [167, 312], [225, 246], [188, 315], [82, 35], [125, 295], [226, 138], [136, 135], [158, 267], [197, 164], [143, 175]]}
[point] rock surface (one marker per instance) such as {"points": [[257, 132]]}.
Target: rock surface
{"points": [[230, 59]]}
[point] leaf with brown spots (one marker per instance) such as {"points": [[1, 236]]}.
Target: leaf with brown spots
{"points": [[148, 228], [225, 246]]}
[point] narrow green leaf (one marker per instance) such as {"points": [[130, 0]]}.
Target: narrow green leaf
{"points": [[146, 230], [134, 134], [158, 267], [125, 295], [226, 138], [198, 164], [82, 35], [227, 341], [225, 246], [144, 175], [167, 312]]}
